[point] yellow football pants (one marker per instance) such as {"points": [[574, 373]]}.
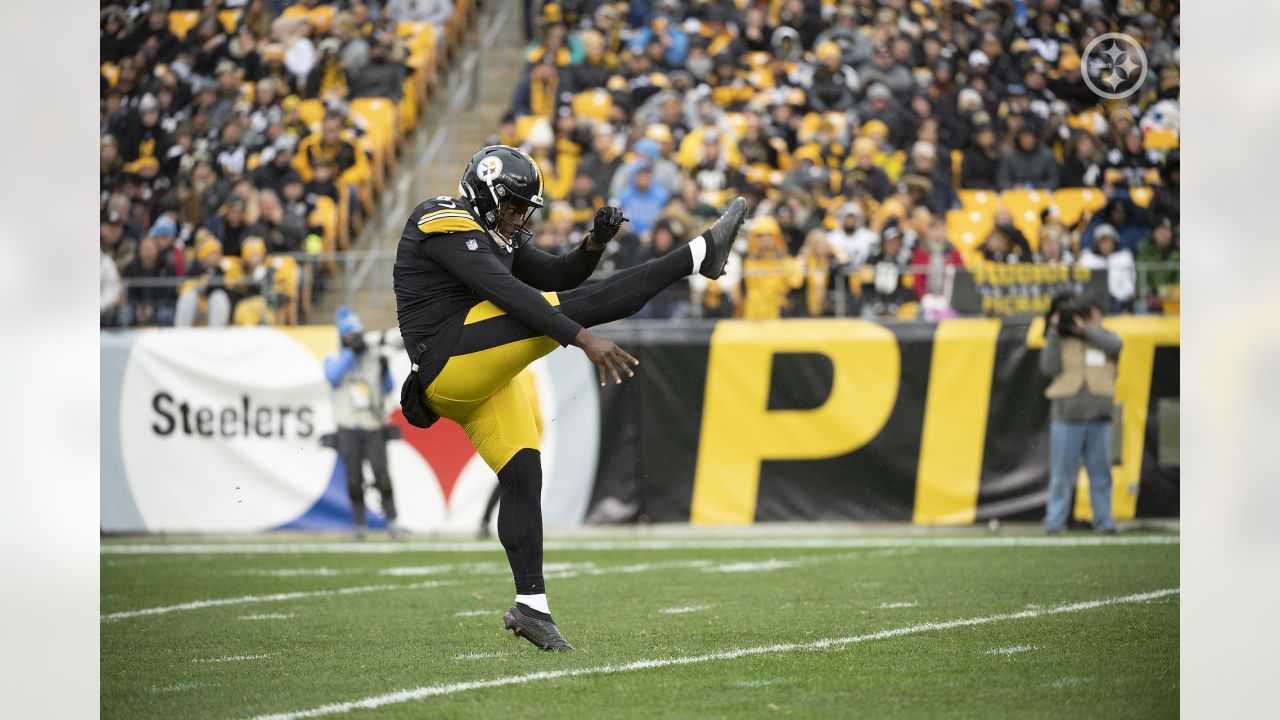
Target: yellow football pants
{"points": [[485, 391]]}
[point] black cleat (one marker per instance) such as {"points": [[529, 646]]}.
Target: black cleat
{"points": [[542, 633], [720, 238]]}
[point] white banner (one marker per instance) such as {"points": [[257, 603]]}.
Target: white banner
{"points": [[219, 431]]}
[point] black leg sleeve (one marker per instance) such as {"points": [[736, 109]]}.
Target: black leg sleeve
{"points": [[520, 520], [622, 294], [375, 449], [351, 451]]}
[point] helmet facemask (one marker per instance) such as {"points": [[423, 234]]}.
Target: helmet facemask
{"points": [[513, 233]]}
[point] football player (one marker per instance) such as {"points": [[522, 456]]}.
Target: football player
{"points": [[476, 304]]}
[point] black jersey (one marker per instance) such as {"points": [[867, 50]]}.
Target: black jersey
{"points": [[446, 263]]}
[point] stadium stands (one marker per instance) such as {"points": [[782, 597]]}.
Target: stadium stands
{"points": [[908, 85], [210, 105]]}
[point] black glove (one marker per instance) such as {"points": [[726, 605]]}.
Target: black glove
{"points": [[608, 220]]}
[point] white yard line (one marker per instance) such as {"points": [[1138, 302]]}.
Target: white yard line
{"points": [[299, 572], [476, 613], [401, 696], [268, 616], [896, 605], [639, 544], [277, 597], [1011, 650], [682, 610], [233, 658], [479, 655]]}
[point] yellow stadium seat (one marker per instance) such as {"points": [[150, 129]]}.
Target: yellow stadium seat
{"points": [[408, 109], [984, 201], [1020, 200], [1141, 195], [1160, 140], [967, 229], [382, 133], [325, 215], [229, 19], [957, 164], [1074, 202], [294, 11], [593, 104], [181, 22], [312, 112]]}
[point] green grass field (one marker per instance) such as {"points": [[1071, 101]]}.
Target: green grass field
{"points": [[898, 625]]}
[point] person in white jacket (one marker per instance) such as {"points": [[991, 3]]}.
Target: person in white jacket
{"points": [[1106, 254]]}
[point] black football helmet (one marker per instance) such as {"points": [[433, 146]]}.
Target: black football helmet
{"points": [[498, 175]]}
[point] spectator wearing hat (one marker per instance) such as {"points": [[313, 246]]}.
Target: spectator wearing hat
{"points": [[932, 256], [668, 36], [1084, 161], [1125, 218], [880, 106], [831, 84], [884, 289], [642, 199], [328, 78], [152, 35], [149, 294], [231, 225], [1003, 224], [1106, 254], [1055, 246], [115, 240], [883, 68], [1129, 164], [603, 159], [924, 163], [798, 16], [214, 280], [140, 134], [1161, 246], [866, 175], [272, 174], [850, 238], [361, 382], [270, 288], [1028, 164], [769, 272], [980, 167]]}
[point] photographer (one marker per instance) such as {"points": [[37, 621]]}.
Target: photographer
{"points": [[1080, 355], [361, 381]]}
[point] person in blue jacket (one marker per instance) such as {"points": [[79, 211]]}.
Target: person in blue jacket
{"points": [[361, 381]]}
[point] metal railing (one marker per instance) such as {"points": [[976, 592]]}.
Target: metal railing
{"points": [[841, 300]]}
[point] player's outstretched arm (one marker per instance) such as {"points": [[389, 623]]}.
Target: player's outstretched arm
{"points": [[549, 272]]}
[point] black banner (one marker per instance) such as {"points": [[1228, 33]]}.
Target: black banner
{"points": [[941, 423]]}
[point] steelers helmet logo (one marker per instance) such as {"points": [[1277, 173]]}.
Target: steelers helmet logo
{"points": [[489, 170]]}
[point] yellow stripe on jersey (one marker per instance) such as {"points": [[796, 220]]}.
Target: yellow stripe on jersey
{"points": [[446, 221]]}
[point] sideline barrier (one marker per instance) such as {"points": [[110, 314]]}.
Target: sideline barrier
{"points": [[725, 424]]}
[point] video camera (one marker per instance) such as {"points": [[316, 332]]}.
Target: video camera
{"points": [[1072, 310]]}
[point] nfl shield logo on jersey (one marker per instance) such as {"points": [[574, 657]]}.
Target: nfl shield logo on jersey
{"points": [[472, 244]]}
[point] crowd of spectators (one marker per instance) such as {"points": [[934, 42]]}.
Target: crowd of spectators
{"points": [[217, 189], [878, 142]]}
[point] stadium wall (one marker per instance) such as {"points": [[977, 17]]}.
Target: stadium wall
{"points": [[725, 424]]}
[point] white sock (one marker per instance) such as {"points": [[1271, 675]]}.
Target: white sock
{"points": [[536, 602], [698, 246]]}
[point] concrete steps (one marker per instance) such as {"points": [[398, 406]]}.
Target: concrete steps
{"points": [[465, 132]]}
